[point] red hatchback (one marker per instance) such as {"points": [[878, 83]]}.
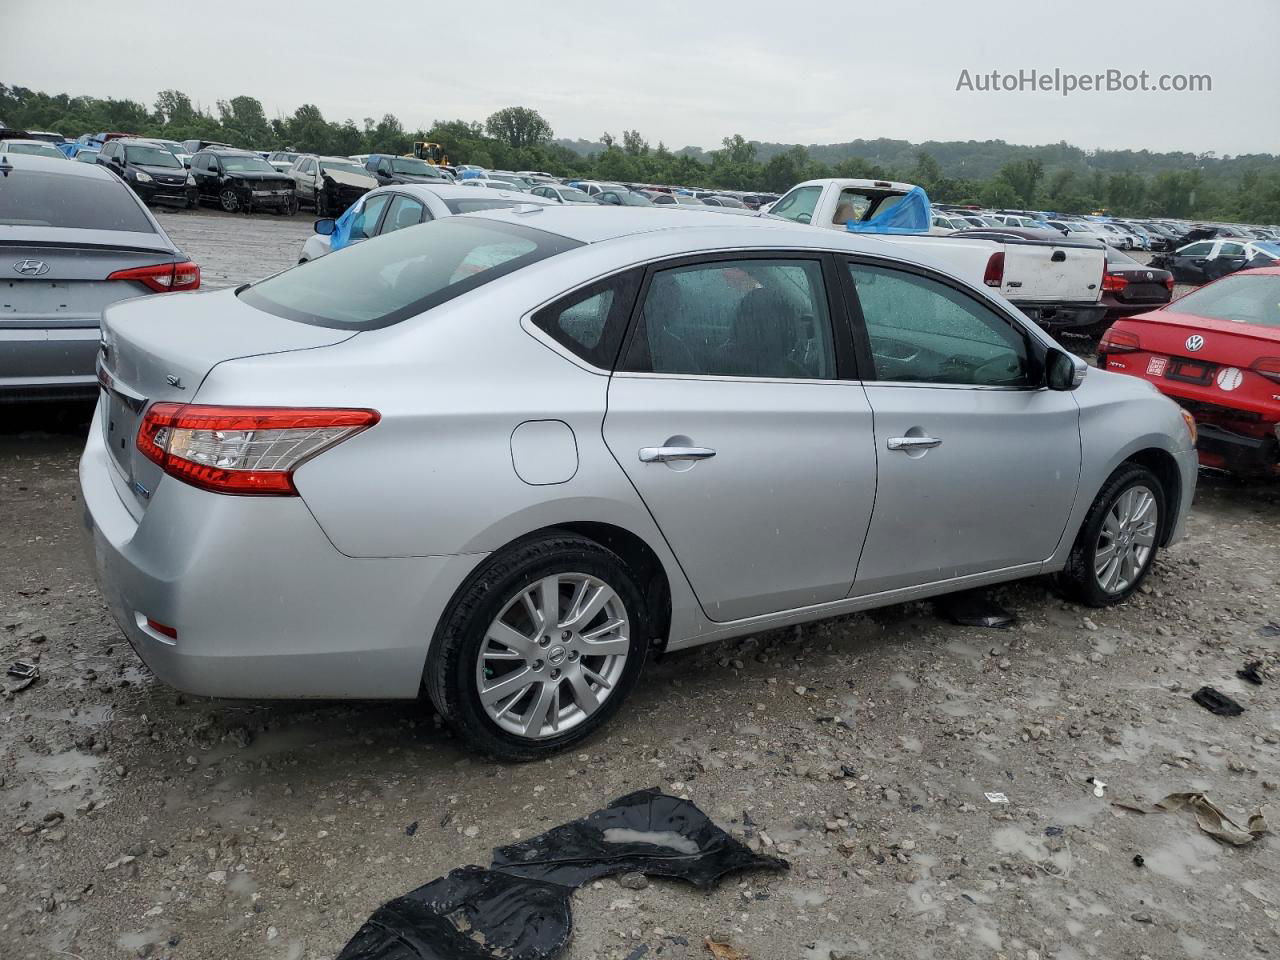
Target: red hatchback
{"points": [[1215, 351]]}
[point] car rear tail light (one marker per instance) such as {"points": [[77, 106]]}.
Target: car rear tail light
{"points": [[163, 628], [1119, 341], [1268, 367], [163, 277], [994, 274], [1169, 282], [1113, 282], [250, 451]]}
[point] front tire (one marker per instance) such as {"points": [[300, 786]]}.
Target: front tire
{"points": [[540, 648], [1119, 539], [229, 201]]}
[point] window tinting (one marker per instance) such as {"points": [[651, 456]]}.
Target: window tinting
{"points": [[736, 318], [30, 198], [922, 331], [590, 322], [151, 156], [403, 274]]}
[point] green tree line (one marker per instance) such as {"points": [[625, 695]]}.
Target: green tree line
{"points": [[991, 173]]}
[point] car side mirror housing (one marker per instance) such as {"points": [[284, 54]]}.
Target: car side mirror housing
{"points": [[325, 226], [1064, 371]]}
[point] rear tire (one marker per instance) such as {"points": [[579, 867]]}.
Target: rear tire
{"points": [[520, 685], [1119, 539]]}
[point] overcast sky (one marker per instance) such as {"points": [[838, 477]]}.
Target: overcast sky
{"points": [[686, 73]]}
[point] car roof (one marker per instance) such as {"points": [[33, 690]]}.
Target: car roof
{"points": [[598, 224], [43, 143], [451, 191], [33, 161]]}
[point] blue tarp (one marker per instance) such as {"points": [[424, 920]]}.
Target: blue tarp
{"points": [[911, 214], [341, 235], [472, 174]]}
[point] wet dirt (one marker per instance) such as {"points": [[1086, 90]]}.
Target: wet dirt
{"points": [[135, 821]]}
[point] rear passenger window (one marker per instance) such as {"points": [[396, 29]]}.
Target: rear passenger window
{"points": [[590, 323], [736, 318]]}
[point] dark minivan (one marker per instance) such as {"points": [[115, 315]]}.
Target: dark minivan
{"points": [[387, 169], [155, 174], [237, 180]]}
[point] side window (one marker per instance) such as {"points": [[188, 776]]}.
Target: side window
{"points": [[590, 322], [405, 212], [736, 318], [798, 204], [308, 166], [1231, 249], [923, 331], [664, 198], [366, 221], [1200, 249]]}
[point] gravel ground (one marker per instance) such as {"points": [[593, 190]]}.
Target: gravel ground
{"points": [[135, 821]]}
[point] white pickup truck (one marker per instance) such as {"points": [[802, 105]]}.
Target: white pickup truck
{"points": [[1055, 282]]}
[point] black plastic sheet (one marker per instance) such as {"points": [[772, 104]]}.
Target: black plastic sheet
{"points": [[518, 909], [973, 608]]}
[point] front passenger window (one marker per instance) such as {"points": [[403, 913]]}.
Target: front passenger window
{"points": [[367, 219], [923, 331]]}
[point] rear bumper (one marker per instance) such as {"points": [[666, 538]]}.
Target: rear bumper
{"points": [[1062, 316], [48, 361], [1250, 453], [264, 606]]}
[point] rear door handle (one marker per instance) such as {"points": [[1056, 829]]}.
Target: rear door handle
{"points": [[913, 443], [673, 454]]}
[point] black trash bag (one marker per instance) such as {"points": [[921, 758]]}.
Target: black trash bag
{"points": [[1252, 672], [644, 832], [519, 909], [1215, 701], [973, 608], [470, 914]]}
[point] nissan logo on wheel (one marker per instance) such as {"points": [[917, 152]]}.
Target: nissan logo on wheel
{"points": [[31, 268], [1195, 342]]}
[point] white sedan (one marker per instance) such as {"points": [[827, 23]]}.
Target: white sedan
{"points": [[401, 205]]}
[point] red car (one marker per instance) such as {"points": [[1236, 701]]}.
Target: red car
{"points": [[1215, 351]]}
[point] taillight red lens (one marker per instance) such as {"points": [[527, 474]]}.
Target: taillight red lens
{"points": [[1169, 282], [1113, 282], [250, 451], [1119, 341], [1268, 367], [163, 277], [993, 276]]}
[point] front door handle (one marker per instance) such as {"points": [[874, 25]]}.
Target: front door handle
{"points": [[913, 443], [674, 454]]}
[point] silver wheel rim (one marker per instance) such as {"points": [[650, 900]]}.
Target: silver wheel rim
{"points": [[553, 656], [1127, 539], [230, 202]]}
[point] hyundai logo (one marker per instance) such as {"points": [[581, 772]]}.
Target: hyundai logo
{"points": [[1195, 342], [31, 268]]}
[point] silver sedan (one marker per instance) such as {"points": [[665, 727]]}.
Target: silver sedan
{"points": [[504, 456]]}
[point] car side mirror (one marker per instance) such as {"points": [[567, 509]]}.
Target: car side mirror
{"points": [[325, 226], [1064, 371]]}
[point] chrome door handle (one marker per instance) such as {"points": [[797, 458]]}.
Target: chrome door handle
{"points": [[913, 443], [673, 454]]}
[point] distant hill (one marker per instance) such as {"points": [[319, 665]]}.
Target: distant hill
{"points": [[981, 159]]}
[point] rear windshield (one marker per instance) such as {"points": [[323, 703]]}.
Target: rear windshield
{"points": [[402, 274], [29, 198], [1242, 298]]}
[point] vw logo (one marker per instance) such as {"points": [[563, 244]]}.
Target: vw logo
{"points": [[1195, 342], [31, 268], [1150, 275]]}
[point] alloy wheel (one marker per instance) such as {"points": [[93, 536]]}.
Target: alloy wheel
{"points": [[230, 202], [553, 655], [1127, 539]]}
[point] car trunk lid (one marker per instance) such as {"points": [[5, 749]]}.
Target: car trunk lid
{"points": [[161, 349]]}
